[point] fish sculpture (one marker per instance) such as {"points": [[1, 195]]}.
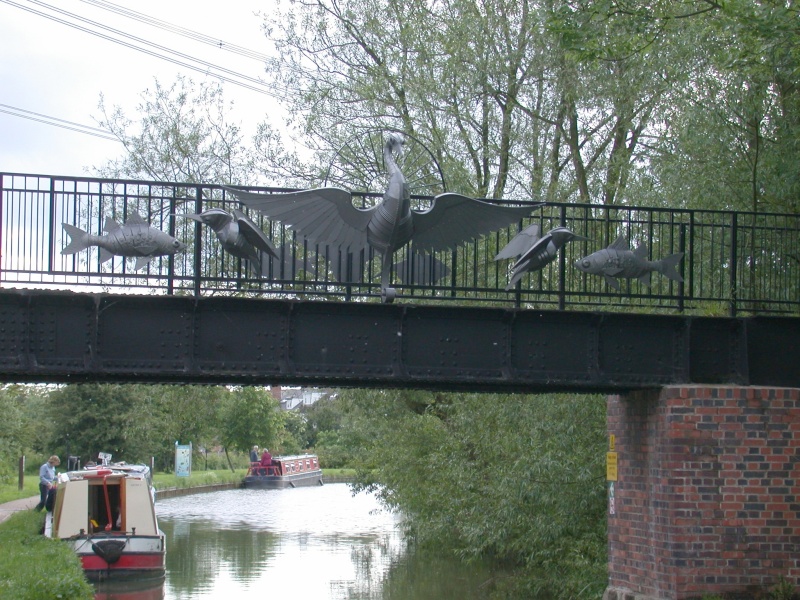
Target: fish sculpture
{"points": [[619, 261], [326, 216], [534, 252], [239, 236], [136, 238]]}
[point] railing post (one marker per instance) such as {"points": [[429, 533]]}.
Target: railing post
{"points": [[51, 225], [732, 276], [682, 248], [21, 472], [562, 265], [172, 232], [198, 242], [2, 207]]}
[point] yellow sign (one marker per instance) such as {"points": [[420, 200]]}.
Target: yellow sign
{"points": [[611, 466], [612, 441]]}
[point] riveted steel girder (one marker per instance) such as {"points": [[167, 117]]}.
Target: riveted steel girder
{"points": [[48, 336]]}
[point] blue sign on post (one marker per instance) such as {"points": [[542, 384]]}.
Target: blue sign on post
{"points": [[183, 459]]}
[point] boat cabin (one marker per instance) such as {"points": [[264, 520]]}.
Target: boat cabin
{"points": [[287, 465], [103, 500]]}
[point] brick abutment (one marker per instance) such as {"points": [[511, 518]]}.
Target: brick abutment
{"points": [[706, 498]]}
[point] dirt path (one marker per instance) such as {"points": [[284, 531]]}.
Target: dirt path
{"points": [[9, 508]]}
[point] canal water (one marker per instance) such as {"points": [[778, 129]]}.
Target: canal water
{"points": [[316, 543]]}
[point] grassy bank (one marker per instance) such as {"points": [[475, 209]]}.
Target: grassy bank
{"points": [[10, 491], [164, 481], [33, 567]]}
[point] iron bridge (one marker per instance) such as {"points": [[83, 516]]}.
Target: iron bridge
{"points": [[313, 317], [60, 336]]}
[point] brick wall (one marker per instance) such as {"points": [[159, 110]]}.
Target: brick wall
{"points": [[708, 492]]}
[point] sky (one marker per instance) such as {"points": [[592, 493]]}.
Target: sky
{"points": [[59, 72]]}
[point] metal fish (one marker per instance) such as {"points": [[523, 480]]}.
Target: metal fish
{"points": [[534, 252], [619, 261], [133, 239]]}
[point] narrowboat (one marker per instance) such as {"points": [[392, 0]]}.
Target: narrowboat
{"points": [[284, 472], [107, 514]]}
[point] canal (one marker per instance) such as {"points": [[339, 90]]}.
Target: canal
{"points": [[313, 543]]}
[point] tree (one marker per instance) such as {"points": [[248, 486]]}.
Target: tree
{"points": [[182, 135], [94, 418], [132, 422], [353, 65], [516, 478], [12, 438], [250, 416]]}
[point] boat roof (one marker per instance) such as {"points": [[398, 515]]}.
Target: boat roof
{"points": [[294, 457], [116, 470]]}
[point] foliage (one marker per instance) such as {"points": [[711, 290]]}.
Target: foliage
{"points": [[9, 490], [133, 422], [33, 567], [250, 416], [24, 428], [692, 102], [182, 135], [516, 478], [783, 590]]}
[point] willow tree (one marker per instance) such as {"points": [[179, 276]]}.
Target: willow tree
{"points": [[179, 133], [726, 134], [452, 74]]}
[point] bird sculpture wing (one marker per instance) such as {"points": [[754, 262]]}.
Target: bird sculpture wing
{"points": [[323, 215], [521, 243], [454, 219], [253, 234]]}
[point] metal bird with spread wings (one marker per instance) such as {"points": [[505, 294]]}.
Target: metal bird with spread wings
{"points": [[327, 216], [535, 252], [239, 236]]}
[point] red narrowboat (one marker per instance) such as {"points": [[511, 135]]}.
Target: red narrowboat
{"points": [[284, 472]]}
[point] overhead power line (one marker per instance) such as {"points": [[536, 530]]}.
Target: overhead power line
{"points": [[205, 67], [182, 31], [56, 122]]}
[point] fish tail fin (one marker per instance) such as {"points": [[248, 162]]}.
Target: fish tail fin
{"points": [[78, 239], [105, 255], [667, 266]]}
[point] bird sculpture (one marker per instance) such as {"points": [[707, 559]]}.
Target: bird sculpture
{"points": [[239, 236], [327, 216], [534, 252], [619, 261], [135, 238]]}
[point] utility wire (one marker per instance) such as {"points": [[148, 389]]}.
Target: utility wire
{"points": [[182, 31], [260, 89], [56, 122]]}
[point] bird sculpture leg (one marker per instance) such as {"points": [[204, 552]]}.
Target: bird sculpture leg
{"points": [[388, 294]]}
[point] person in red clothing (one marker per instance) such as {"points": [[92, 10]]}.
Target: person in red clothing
{"points": [[266, 462]]}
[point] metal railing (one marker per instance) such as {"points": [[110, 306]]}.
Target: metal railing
{"points": [[734, 262]]}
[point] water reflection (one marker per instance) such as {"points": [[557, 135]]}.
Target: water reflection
{"points": [[316, 543], [308, 542], [130, 590]]}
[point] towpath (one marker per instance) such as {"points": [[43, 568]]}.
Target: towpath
{"points": [[9, 508]]}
